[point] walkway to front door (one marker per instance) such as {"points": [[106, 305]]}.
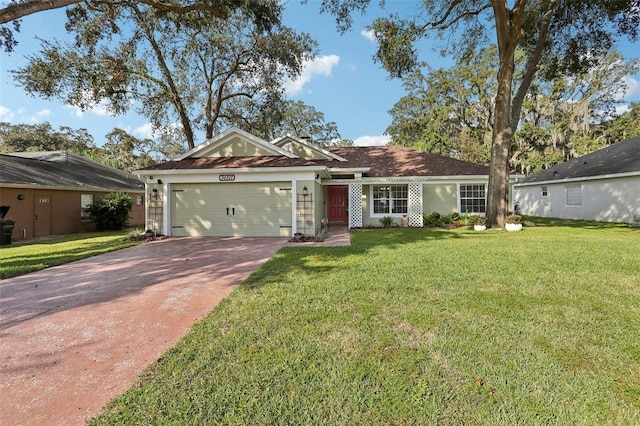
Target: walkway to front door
{"points": [[337, 206]]}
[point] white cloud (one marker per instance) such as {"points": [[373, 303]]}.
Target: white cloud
{"points": [[372, 140], [44, 113], [633, 86], [6, 114], [369, 35], [144, 132], [621, 109], [322, 65], [75, 111]]}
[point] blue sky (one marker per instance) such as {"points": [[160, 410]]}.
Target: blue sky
{"points": [[343, 82]]}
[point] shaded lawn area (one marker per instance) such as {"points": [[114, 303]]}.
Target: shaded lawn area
{"points": [[18, 259], [415, 326]]}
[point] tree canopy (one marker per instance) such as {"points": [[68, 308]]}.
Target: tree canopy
{"points": [[174, 68], [10, 15], [555, 37], [449, 111], [121, 150]]}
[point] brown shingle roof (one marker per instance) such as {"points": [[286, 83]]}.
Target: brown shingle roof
{"points": [[393, 160], [383, 161]]}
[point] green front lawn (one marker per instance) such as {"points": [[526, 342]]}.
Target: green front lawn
{"points": [[18, 259], [415, 326]]}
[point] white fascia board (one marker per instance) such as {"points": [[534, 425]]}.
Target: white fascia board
{"points": [[241, 175], [342, 170], [580, 179], [425, 179], [232, 170], [309, 145], [229, 133]]}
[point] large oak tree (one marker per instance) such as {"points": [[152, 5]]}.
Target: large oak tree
{"points": [[556, 36], [172, 67]]}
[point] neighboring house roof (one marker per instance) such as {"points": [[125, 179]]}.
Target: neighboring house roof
{"points": [[381, 161], [61, 169], [619, 158]]}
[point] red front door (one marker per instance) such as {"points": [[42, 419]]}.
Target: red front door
{"points": [[337, 205]]}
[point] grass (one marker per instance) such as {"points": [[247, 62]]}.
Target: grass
{"points": [[415, 326], [18, 259]]}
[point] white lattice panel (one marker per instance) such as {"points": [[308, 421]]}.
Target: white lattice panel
{"points": [[415, 205], [355, 205]]}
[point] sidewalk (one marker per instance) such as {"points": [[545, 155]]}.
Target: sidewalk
{"points": [[338, 237]]}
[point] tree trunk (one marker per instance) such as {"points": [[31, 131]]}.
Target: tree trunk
{"points": [[508, 31], [498, 188]]}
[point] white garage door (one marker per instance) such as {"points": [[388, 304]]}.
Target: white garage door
{"points": [[231, 209]]}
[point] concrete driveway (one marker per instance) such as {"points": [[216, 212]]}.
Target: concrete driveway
{"points": [[74, 336]]}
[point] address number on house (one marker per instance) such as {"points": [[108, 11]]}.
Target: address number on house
{"points": [[227, 178]]}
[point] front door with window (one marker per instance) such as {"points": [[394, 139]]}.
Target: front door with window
{"points": [[337, 204]]}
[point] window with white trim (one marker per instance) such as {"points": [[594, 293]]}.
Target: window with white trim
{"points": [[390, 199], [473, 198], [85, 201], [573, 194], [543, 191]]}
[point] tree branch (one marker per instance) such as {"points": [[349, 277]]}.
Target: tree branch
{"points": [[440, 23], [16, 11], [24, 8], [532, 65]]}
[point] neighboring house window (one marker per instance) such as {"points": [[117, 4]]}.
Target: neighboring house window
{"points": [[390, 199], [473, 198], [85, 200], [544, 191], [574, 195]]}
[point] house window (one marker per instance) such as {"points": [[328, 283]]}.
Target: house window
{"points": [[544, 192], [85, 200], [473, 198], [139, 200], [390, 199], [573, 195]]}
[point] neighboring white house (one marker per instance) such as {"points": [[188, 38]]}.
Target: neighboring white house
{"points": [[237, 184], [602, 186]]}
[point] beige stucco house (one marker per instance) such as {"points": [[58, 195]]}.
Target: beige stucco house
{"points": [[237, 184]]}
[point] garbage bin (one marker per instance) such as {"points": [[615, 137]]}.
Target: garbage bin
{"points": [[6, 226], [7, 232]]}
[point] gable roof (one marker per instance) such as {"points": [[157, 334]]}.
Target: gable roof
{"points": [[211, 145], [316, 151], [380, 161], [63, 169], [619, 158]]}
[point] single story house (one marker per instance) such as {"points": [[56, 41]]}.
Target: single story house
{"points": [[237, 184], [602, 186], [46, 192]]}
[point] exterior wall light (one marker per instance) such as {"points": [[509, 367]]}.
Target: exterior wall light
{"points": [[305, 191]]}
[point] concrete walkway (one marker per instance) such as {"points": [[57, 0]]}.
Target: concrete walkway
{"points": [[74, 336]]}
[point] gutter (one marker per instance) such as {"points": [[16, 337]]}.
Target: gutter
{"points": [[578, 179], [70, 188]]}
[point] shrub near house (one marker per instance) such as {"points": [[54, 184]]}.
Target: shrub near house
{"points": [[111, 212]]}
